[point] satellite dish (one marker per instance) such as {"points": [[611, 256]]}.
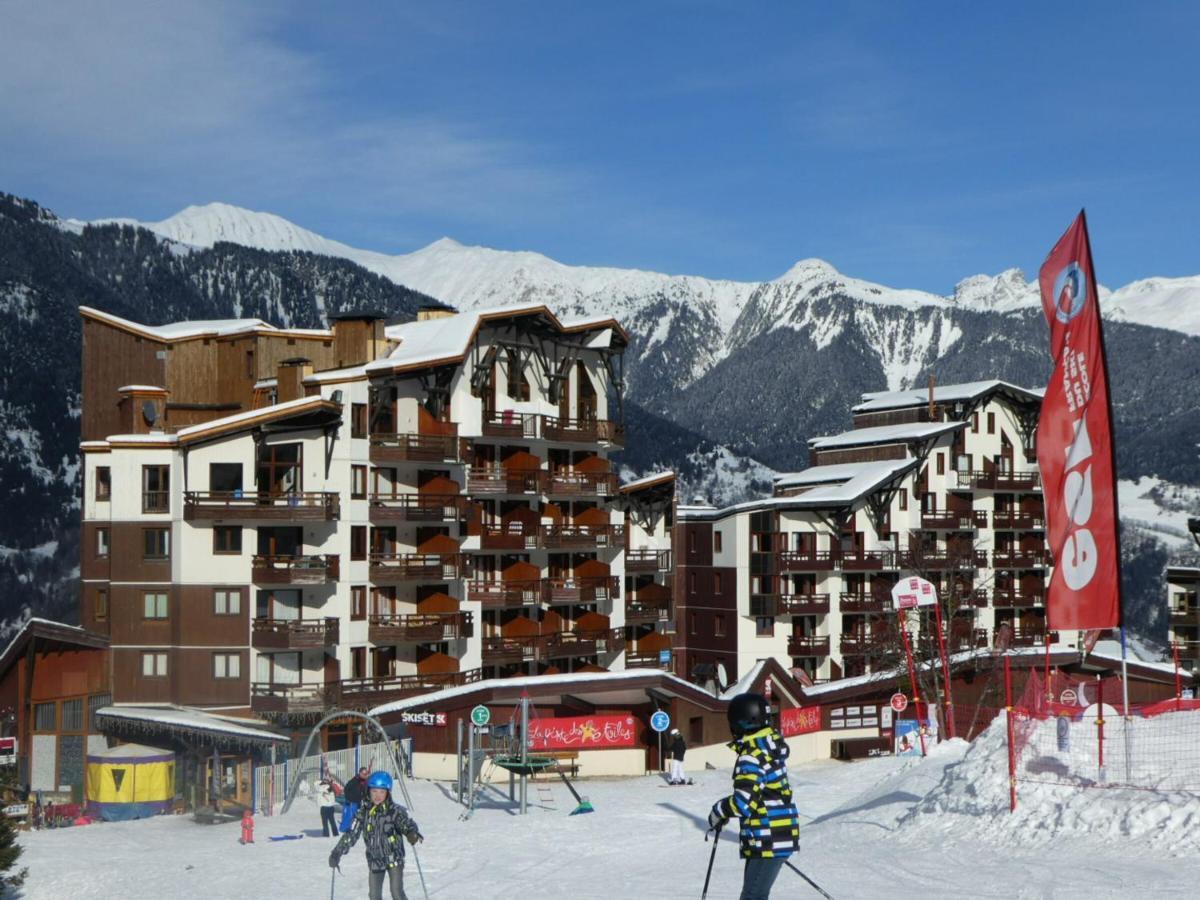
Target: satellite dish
{"points": [[149, 412]]}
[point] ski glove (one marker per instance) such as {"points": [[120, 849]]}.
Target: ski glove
{"points": [[334, 859], [414, 837], [716, 820]]}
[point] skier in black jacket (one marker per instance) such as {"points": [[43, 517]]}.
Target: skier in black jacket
{"points": [[353, 796], [383, 823], [676, 750]]}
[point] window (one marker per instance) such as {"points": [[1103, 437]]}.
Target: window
{"points": [[764, 626], [225, 478], [941, 463], [962, 462], [72, 715], [43, 717], [227, 665], [903, 500], [154, 665], [358, 602], [358, 542], [691, 582], [102, 542], [716, 582], [227, 539], [100, 609], [696, 730], [691, 623], [719, 625], [358, 482], [991, 420], [691, 540], [358, 662], [156, 543], [227, 602], [154, 606], [975, 423], [716, 542], [156, 489], [358, 420], [103, 483]]}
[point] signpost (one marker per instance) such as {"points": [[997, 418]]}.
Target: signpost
{"points": [[480, 716], [910, 593], [660, 721]]}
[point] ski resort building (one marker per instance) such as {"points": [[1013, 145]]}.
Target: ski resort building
{"points": [[284, 521], [1183, 613], [940, 483]]}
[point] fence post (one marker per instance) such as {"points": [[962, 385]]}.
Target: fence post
{"points": [[1178, 677], [1100, 723], [1012, 755]]}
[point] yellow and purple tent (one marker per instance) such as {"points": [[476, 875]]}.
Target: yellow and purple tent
{"points": [[130, 782]]}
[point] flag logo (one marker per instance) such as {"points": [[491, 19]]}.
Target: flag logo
{"points": [[1070, 292]]}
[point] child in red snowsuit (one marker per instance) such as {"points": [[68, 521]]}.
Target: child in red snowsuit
{"points": [[247, 828]]}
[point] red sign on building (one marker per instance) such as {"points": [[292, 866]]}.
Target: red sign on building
{"points": [[801, 720], [582, 733]]}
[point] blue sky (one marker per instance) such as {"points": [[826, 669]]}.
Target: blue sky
{"points": [[910, 144]]}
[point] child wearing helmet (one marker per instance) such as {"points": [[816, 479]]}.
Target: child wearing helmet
{"points": [[761, 798], [382, 824]]}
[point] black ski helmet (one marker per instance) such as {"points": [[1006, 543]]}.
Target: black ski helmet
{"points": [[748, 713]]}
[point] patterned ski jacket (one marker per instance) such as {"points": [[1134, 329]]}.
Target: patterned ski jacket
{"points": [[383, 828], [761, 797]]}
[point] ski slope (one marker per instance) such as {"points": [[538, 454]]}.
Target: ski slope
{"points": [[885, 827]]}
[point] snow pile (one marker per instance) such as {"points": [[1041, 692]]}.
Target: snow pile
{"points": [[971, 797]]}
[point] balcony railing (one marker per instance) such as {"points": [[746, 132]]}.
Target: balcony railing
{"points": [[1015, 558], [515, 536], [417, 507], [944, 560], [863, 603], [1029, 637], [505, 594], [948, 520], [294, 634], [865, 560], [1018, 521], [789, 604], [1017, 599], [498, 480], [640, 613], [565, 483], [419, 628], [500, 650], [388, 568], [510, 424], [570, 430], [806, 561], [156, 501], [561, 537], [808, 645], [590, 589], [968, 639], [647, 560], [647, 659], [609, 432], [999, 480], [235, 505], [294, 569], [291, 699], [443, 448], [858, 643], [363, 693]]}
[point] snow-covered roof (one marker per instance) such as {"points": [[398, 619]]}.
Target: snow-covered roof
{"points": [[845, 474], [184, 435], [744, 683], [942, 393], [33, 623], [535, 681], [142, 389], [1110, 651], [885, 434], [177, 331], [648, 481], [195, 719]]}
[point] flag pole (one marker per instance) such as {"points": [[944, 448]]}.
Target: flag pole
{"points": [[1112, 446]]}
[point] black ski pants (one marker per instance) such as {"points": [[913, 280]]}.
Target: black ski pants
{"points": [[395, 877], [329, 827]]}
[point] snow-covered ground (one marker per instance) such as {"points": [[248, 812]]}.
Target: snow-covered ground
{"points": [[885, 827]]}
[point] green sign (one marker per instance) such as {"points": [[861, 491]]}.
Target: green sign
{"points": [[481, 715]]}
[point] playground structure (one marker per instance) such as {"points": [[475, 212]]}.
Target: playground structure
{"points": [[504, 747]]}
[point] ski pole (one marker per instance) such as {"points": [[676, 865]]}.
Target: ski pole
{"points": [[816, 887], [711, 857], [420, 874], [332, 879]]}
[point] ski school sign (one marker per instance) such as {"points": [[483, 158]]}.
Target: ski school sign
{"points": [[801, 720], [582, 733]]}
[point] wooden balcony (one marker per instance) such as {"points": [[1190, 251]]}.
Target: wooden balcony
{"points": [[865, 560], [806, 561], [1184, 610], [858, 643], [294, 634], [942, 560], [570, 591], [506, 423], [789, 604], [499, 650], [583, 537], [647, 659], [647, 560], [505, 594], [419, 628], [948, 520], [515, 537], [440, 448], [1029, 637], [638, 612], [808, 645], [864, 603], [1018, 521], [417, 507], [565, 483], [294, 569], [364, 693], [1017, 599], [967, 639], [235, 506], [1015, 558], [976, 599], [610, 432], [391, 568], [997, 480], [491, 480], [268, 698], [572, 431]]}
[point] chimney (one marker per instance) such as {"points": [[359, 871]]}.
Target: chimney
{"points": [[435, 311], [290, 380], [358, 337], [142, 408], [932, 382]]}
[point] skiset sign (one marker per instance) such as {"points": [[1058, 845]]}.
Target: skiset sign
{"points": [[910, 593], [1074, 444], [582, 733]]}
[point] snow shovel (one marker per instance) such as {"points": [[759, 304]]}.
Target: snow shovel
{"points": [[584, 806]]}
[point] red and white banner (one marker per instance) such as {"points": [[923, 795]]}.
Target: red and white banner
{"points": [[1074, 444], [582, 733], [800, 720]]}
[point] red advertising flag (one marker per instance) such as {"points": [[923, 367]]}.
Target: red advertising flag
{"points": [[1074, 444], [582, 733]]}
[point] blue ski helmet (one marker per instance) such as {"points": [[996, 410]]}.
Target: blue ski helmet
{"points": [[380, 780]]}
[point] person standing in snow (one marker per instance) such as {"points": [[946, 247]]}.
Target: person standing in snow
{"points": [[676, 749], [327, 800], [761, 798], [352, 797], [383, 823]]}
